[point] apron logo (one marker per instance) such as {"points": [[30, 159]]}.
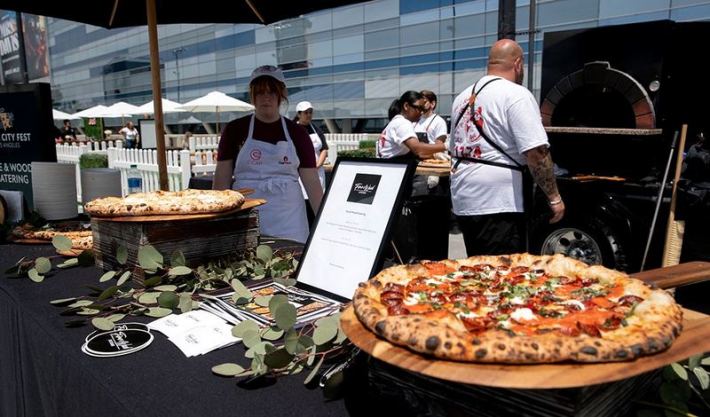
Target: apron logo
{"points": [[255, 155], [364, 188], [285, 161]]}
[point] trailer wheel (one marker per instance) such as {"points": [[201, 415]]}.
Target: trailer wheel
{"points": [[589, 241]]}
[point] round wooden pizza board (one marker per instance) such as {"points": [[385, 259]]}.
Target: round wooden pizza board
{"points": [[694, 339], [249, 203]]}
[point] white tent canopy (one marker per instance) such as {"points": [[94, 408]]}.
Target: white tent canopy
{"points": [[120, 109], [169, 106], [96, 111], [60, 115], [216, 101]]}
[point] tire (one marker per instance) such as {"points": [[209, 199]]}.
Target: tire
{"points": [[590, 241]]}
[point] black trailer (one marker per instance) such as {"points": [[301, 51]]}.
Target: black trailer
{"points": [[612, 99]]}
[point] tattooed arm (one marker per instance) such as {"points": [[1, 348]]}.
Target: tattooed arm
{"points": [[540, 164]]}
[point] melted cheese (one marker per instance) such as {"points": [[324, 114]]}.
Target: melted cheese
{"points": [[523, 314]]}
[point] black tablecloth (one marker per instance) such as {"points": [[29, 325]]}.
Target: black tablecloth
{"points": [[44, 373]]}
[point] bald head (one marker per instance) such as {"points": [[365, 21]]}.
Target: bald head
{"points": [[505, 59]]}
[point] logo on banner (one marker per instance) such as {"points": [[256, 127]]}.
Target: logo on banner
{"points": [[285, 161], [6, 118], [364, 188]]}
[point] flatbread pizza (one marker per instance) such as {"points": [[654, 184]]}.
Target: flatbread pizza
{"points": [[166, 203], [518, 309]]}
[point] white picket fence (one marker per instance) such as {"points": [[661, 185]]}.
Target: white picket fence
{"points": [[181, 165], [70, 154]]}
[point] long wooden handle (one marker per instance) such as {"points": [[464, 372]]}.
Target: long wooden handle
{"points": [[674, 230], [677, 275]]}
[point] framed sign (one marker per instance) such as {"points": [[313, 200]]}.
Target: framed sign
{"points": [[26, 134], [146, 128], [353, 224]]}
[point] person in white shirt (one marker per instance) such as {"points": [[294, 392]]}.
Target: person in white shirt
{"points": [[398, 140], [431, 128], [491, 142], [130, 134]]}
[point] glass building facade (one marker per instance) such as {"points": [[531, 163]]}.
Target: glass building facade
{"points": [[350, 62]]}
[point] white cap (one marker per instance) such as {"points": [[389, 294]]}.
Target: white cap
{"points": [[303, 106], [267, 71]]}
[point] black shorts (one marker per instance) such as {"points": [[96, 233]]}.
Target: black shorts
{"points": [[493, 234]]}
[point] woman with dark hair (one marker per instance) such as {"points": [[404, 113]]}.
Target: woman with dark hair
{"points": [[399, 140], [270, 153]]}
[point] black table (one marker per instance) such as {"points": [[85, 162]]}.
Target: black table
{"points": [[44, 373]]}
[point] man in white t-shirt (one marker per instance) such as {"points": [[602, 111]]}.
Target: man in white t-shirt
{"points": [[486, 185], [431, 128]]}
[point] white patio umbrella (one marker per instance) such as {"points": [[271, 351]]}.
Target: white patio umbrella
{"points": [[60, 115], [95, 111], [120, 109], [169, 106], [216, 101]]}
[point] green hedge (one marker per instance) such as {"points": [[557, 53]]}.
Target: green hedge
{"points": [[366, 144], [93, 160], [358, 153]]}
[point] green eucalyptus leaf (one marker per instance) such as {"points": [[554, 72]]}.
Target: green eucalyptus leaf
{"points": [[62, 301], [258, 366], [263, 348], [185, 303], [86, 258], [107, 276], [262, 300], [305, 342], [333, 386], [61, 242], [694, 361], [243, 327], [158, 312], [291, 341], [121, 254], [264, 252], [180, 270], [295, 368], [69, 262], [276, 301], [43, 265], [152, 282], [285, 316], [116, 317], [278, 358], [312, 356], [177, 259], [35, 276], [259, 272], [677, 392], [149, 298], [102, 323], [123, 278], [149, 258], [249, 354], [168, 299], [286, 282], [325, 333], [88, 312], [240, 300], [166, 288], [108, 292], [272, 333], [314, 371], [228, 369], [680, 371], [341, 337], [705, 361], [251, 338], [240, 290], [703, 377], [329, 321], [81, 303]]}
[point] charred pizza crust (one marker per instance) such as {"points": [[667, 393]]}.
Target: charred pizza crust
{"points": [[166, 203], [653, 325]]}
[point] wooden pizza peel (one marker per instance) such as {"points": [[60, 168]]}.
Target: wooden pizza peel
{"points": [[694, 339]]}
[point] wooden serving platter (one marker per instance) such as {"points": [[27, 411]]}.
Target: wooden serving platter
{"points": [[694, 339], [437, 171], [249, 203]]}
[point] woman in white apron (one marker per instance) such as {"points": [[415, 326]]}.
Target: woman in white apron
{"points": [[304, 117], [272, 154]]}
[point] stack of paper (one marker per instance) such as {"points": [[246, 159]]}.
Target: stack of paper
{"points": [[309, 306], [196, 332]]}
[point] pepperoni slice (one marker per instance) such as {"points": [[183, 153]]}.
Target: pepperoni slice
{"points": [[630, 300], [611, 323], [391, 286], [517, 279], [569, 330], [438, 298], [388, 296], [477, 268], [418, 285], [477, 324], [438, 268], [519, 270], [589, 329], [397, 310]]}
